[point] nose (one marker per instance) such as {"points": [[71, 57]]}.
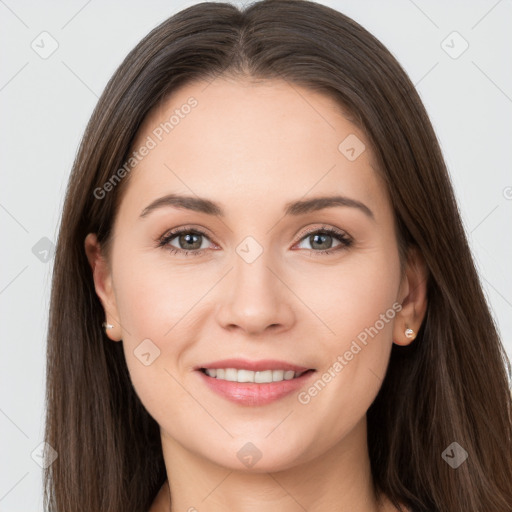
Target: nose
{"points": [[255, 300]]}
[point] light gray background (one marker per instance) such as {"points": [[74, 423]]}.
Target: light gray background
{"points": [[46, 103]]}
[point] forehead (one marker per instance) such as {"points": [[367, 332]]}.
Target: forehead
{"points": [[247, 145]]}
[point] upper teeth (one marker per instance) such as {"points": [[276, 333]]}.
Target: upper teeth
{"points": [[234, 375]]}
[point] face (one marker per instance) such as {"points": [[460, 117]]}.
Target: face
{"points": [[316, 285]]}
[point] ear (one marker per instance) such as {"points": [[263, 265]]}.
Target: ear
{"points": [[413, 298], [102, 277]]}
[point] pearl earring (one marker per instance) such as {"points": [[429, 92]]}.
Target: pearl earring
{"points": [[409, 333], [107, 325]]}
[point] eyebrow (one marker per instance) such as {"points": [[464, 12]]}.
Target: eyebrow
{"points": [[294, 208]]}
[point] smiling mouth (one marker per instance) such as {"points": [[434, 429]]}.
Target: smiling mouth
{"points": [[254, 377]]}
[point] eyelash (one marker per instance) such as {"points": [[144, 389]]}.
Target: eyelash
{"points": [[345, 240]]}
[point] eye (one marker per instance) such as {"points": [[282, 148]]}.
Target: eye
{"points": [[321, 240], [188, 241]]}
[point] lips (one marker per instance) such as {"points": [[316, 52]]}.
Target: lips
{"points": [[252, 394]]}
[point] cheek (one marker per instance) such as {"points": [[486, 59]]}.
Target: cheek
{"points": [[354, 359], [154, 296], [367, 293], [155, 307], [351, 296], [367, 310]]}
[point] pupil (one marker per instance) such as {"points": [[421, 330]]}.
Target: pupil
{"points": [[188, 239], [314, 237]]}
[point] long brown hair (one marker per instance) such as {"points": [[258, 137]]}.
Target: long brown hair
{"points": [[450, 385]]}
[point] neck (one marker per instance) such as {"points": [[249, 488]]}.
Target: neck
{"points": [[339, 479]]}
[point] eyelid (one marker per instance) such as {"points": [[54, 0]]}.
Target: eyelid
{"points": [[323, 227], [186, 229]]}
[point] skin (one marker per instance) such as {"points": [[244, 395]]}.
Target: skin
{"points": [[253, 147]]}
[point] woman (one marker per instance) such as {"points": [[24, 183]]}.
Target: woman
{"points": [[260, 213]]}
